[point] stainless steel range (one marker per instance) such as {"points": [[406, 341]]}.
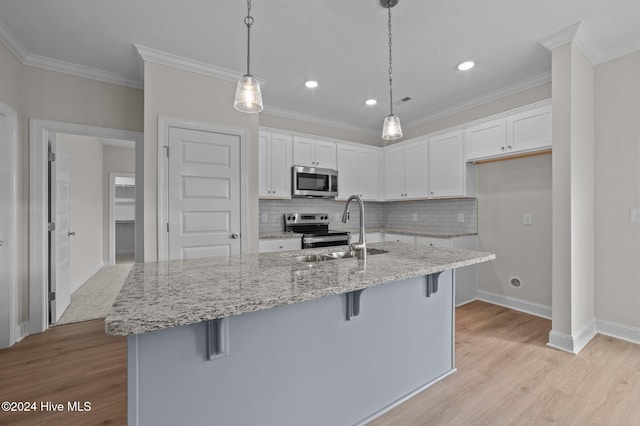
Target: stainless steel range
{"points": [[314, 228]]}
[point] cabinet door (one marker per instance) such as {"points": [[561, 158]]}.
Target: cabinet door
{"points": [[394, 174], [434, 242], [529, 130], [325, 154], [400, 238], [368, 174], [446, 165], [347, 171], [486, 139], [264, 181], [279, 244], [416, 170], [280, 162], [303, 151]]}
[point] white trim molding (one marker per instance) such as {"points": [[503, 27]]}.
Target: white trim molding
{"points": [[164, 124], [532, 308], [39, 131], [618, 330], [164, 58], [8, 231], [571, 344]]}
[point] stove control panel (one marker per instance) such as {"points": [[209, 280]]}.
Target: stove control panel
{"points": [[306, 218]]}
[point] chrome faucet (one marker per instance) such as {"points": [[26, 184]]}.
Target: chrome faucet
{"points": [[361, 244]]}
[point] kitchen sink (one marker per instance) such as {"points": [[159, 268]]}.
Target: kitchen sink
{"points": [[349, 254]]}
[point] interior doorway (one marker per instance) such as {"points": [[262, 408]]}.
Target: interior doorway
{"points": [[39, 135], [122, 189]]}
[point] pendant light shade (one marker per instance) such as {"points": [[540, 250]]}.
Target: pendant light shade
{"points": [[391, 129], [248, 94]]}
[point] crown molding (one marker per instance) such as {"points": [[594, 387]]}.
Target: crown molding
{"points": [[23, 55], [307, 118], [534, 81], [561, 37], [13, 44], [149, 54], [80, 71]]}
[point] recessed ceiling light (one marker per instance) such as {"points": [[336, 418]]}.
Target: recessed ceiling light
{"points": [[371, 102], [467, 65], [311, 84]]}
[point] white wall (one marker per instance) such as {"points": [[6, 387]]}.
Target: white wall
{"points": [[507, 190], [617, 189], [43, 94], [115, 159], [175, 93], [85, 208]]}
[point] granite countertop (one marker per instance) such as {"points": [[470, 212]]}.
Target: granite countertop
{"points": [[159, 295], [419, 233]]}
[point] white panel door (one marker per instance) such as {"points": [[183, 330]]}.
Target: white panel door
{"points": [[204, 194], [529, 129], [486, 139], [347, 171], [59, 262], [368, 174], [280, 163], [325, 154], [394, 174], [304, 152]]}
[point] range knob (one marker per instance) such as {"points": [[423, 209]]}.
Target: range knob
{"points": [[289, 218]]}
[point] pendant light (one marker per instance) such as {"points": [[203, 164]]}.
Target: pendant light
{"points": [[391, 129], [248, 94]]}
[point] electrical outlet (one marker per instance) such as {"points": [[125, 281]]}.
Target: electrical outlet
{"points": [[414, 217], [460, 217], [265, 217], [527, 219], [634, 215], [337, 217]]}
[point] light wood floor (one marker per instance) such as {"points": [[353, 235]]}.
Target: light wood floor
{"points": [[74, 362], [506, 376]]}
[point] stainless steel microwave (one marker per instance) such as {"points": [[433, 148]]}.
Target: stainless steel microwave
{"points": [[314, 182]]}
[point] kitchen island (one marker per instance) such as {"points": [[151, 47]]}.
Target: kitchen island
{"points": [[268, 339]]}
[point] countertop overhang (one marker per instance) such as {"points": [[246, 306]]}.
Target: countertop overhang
{"points": [[158, 295]]}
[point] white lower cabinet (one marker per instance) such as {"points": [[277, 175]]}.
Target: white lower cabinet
{"points": [[279, 244], [400, 238], [463, 278]]}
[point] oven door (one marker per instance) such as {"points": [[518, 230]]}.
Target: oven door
{"points": [[314, 182]]}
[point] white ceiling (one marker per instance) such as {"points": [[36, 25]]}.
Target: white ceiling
{"points": [[341, 44]]}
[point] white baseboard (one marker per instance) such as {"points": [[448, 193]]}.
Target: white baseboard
{"points": [[76, 285], [22, 330], [571, 344], [466, 302], [617, 330], [517, 304]]}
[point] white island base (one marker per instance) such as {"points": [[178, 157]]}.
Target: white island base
{"points": [[298, 364]]}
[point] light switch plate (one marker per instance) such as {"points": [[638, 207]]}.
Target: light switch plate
{"points": [[461, 217], [414, 217], [634, 215], [527, 219]]}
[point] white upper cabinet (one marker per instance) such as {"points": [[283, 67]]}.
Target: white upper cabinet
{"points": [[406, 174], [530, 129], [357, 172], [524, 131], [314, 153], [446, 165], [275, 161], [486, 139]]}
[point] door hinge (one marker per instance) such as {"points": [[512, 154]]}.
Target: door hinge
{"points": [[167, 226], [167, 148], [52, 226], [51, 156], [52, 296]]}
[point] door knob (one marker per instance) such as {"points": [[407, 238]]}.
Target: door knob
{"points": [[72, 234], [235, 236]]}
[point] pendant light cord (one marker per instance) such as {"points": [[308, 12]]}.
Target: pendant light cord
{"points": [[248, 21], [390, 66]]}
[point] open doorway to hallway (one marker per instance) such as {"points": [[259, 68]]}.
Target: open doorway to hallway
{"points": [[101, 224]]}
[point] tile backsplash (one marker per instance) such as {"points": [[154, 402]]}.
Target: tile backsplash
{"points": [[434, 215]]}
